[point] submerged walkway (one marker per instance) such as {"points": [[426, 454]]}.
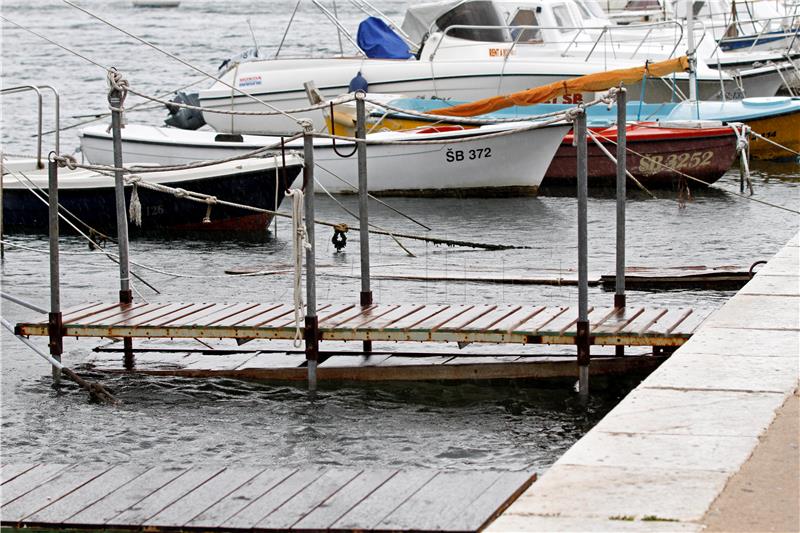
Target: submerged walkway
{"points": [[686, 436], [238, 498]]}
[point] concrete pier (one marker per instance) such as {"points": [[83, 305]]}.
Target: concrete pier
{"points": [[695, 441]]}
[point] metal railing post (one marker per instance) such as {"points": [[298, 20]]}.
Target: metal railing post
{"points": [[363, 215], [582, 337], [125, 294], [619, 295], [54, 323], [311, 319], [2, 245]]}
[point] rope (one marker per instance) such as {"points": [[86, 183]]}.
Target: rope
{"points": [[370, 196], [698, 180], [140, 265], [607, 99], [117, 84], [265, 151], [336, 101], [743, 151], [181, 61], [795, 152], [299, 246], [614, 160], [568, 116], [352, 214], [31, 185], [135, 206]]}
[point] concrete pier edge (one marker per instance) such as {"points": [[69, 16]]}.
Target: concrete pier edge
{"points": [[659, 459]]}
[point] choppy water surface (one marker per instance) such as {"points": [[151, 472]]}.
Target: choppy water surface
{"points": [[468, 425]]}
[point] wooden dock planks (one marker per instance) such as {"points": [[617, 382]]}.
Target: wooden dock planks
{"points": [[518, 324], [208, 498]]}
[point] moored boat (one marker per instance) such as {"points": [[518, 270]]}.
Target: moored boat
{"points": [[456, 162], [89, 196], [655, 152]]}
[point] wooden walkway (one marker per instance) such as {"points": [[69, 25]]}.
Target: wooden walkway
{"points": [[516, 324], [207, 498]]}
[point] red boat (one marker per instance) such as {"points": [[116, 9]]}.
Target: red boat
{"points": [[654, 152]]}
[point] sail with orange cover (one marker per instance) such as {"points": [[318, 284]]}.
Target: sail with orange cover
{"points": [[599, 81]]}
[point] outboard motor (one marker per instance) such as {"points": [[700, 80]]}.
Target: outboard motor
{"points": [[185, 119]]}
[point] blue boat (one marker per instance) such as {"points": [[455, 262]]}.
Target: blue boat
{"points": [[87, 198]]}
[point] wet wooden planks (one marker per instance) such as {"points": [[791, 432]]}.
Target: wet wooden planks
{"points": [[520, 324], [126, 496]]}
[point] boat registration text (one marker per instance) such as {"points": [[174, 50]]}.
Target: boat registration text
{"points": [[685, 161], [460, 155]]}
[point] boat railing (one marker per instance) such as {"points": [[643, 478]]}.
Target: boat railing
{"points": [[339, 27], [579, 31], [38, 90], [766, 30]]}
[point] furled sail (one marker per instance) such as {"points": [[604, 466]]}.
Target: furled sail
{"points": [[599, 81]]}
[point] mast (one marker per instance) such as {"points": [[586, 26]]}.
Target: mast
{"points": [[691, 52]]}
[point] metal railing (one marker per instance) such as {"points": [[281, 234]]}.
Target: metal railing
{"points": [[764, 32], [580, 31], [37, 89]]}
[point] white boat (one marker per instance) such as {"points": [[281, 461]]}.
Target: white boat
{"points": [[469, 50], [512, 164]]}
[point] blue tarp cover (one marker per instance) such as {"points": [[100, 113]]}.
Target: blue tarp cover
{"points": [[379, 41]]}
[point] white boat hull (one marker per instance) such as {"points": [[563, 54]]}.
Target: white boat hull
{"points": [[512, 164], [280, 83]]}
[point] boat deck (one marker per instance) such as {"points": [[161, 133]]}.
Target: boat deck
{"points": [[512, 324]]}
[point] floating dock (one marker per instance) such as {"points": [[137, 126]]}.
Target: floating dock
{"points": [[662, 329], [239, 498]]}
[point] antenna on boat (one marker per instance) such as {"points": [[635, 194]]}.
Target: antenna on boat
{"points": [[253, 35]]}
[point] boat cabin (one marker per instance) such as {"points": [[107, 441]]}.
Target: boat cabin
{"points": [[448, 29], [503, 29]]}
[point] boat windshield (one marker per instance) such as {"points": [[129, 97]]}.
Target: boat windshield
{"points": [[594, 8], [474, 13]]}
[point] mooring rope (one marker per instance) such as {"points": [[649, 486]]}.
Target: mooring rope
{"points": [[336, 101], [795, 152], [202, 198], [743, 151], [372, 197], [698, 180], [71, 162], [608, 99], [568, 116], [181, 61], [299, 246], [92, 242], [354, 215], [614, 160]]}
